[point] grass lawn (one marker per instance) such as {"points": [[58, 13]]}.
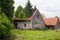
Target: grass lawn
{"points": [[36, 34]]}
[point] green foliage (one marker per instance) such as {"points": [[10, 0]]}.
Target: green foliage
{"points": [[7, 7], [19, 9], [5, 25], [34, 8], [6, 15], [26, 12], [0, 10], [28, 9], [20, 13]]}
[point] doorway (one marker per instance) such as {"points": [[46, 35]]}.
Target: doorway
{"points": [[50, 27]]}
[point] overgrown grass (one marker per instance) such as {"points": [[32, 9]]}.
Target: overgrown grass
{"points": [[36, 34]]}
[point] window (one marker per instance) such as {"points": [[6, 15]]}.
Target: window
{"points": [[24, 25]]}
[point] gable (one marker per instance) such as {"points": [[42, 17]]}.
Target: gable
{"points": [[35, 14], [37, 17], [37, 21]]}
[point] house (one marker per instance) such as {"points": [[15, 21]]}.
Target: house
{"points": [[52, 23], [33, 22], [37, 22]]}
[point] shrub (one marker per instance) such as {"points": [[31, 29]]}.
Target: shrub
{"points": [[5, 26]]}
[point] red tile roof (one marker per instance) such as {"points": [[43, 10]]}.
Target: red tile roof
{"points": [[51, 21]]}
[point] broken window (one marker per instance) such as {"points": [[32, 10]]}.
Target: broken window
{"points": [[24, 25]]}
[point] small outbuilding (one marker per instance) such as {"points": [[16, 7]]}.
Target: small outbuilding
{"points": [[52, 23]]}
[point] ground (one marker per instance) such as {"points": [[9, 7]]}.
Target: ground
{"points": [[36, 34]]}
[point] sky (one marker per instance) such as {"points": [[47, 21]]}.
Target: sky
{"points": [[50, 8]]}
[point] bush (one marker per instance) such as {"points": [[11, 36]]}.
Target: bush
{"points": [[5, 26]]}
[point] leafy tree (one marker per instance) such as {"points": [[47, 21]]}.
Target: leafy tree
{"points": [[6, 14], [18, 11], [5, 26], [7, 7], [0, 10], [28, 9], [22, 15]]}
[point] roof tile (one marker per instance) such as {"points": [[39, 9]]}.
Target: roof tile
{"points": [[50, 21]]}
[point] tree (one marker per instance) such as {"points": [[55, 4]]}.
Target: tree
{"points": [[5, 26], [34, 9], [19, 9], [6, 11], [7, 7], [28, 9], [0, 10], [22, 15]]}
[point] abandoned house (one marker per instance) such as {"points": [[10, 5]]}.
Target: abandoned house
{"points": [[37, 22], [52, 23]]}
